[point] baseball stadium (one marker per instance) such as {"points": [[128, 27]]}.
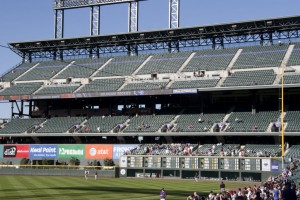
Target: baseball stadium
{"points": [[174, 113]]}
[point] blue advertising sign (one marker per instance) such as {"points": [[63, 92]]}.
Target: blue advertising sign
{"points": [[120, 149], [275, 167], [1, 151], [43, 151]]}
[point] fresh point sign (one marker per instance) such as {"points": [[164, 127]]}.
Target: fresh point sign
{"points": [[69, 151]]}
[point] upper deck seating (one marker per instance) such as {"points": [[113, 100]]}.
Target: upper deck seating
{"points": [[243, 121], [255, 150], [192, 121], [292, 118], [294, 59], [195, 83], [210, 60], [58, 89], [82, 68], [293, 152], [16, 72], [21, 89], [291, 78], [145, 85], [122, 66], [250, 78], [148, 123], [20, 125], [60, 124], [103, 85], [104, 124], [261, 56], [44, 71], [164, 63]]}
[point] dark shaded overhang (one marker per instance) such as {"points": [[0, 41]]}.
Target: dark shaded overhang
{"points": [[180, 34]]}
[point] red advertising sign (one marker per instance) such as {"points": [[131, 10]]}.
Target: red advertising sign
{"points": [[15, 151], [98, 151]]}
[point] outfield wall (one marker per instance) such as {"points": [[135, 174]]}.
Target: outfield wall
{"points": [[85, 153], [185, 167], [50, 170], [230, 168]]}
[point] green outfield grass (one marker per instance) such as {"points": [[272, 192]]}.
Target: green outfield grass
{"points": [[49, 187]]}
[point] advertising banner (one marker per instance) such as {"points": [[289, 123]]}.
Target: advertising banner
{"points": [[266, 165], [120, 149], [1, 151], [15, 151], [98, 151], [69, 151], [43, 151], [123, 161], [275, 167]]}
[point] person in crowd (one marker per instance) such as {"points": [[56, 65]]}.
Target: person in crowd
{"points": [[96, 175], [196, 177], [288, 193], [222, 187], [162, 194], [86, 174], [196, 196], [233, 195], [190, 197], [276, 193]]}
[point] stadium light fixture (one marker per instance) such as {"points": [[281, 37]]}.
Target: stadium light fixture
{"points": [[234, 26], [201, 30], [269, 23]]}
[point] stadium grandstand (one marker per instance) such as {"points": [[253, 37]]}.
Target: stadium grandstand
{"points": [[221, 100]]}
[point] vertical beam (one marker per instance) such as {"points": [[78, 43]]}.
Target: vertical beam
{"points": [[133, 16], [59, 24], [271, 38], [261, 39], [133, 12], [95, 20], [12, 110], [23, 57], [174, 13]]}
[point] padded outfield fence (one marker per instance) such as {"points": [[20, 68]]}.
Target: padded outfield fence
{"points": [[59, 170]]}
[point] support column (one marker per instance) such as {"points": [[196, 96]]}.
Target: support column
{"points": [[174, 13], [23, 57], [21, 112], [133, 16], [29, 57], [261, 39], [95, 20], [12, 110], [271, 38], [174, 22], [133, 12], [213, 40], [59, 24]]}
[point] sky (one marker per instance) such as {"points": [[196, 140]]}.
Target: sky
{"points": [[26, 20]]}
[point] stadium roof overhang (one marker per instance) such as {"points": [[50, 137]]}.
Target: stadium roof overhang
{"points": [[211, 32]]}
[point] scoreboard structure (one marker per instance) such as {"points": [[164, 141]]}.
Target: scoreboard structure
{"points": [[226, 168]]}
